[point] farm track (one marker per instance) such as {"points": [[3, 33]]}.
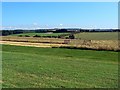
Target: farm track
{"points": [[55, 42], [31, 44]]}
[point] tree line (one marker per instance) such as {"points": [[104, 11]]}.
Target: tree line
{"points": [[9, 32]]}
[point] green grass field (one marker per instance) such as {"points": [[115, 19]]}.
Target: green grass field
{"points": [[32, 67], [40, 34], [82, 35], [97, 35]]}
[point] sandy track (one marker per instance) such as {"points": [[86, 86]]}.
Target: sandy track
{"points": [[75, 43], [31, 44]]}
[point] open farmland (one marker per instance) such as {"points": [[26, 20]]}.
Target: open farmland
{"points": [[39, 34], [56, 42], [32, 67], [97, 35]]}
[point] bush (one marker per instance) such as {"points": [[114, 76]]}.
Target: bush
{"points": [[66, 37], [36, 36], [27, 36], [71, 36], [20, 36]]}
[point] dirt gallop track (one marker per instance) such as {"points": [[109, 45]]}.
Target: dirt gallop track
{"points": [[55, 42], [31, 44]]}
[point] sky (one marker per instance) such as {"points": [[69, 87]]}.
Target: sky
{"points": [[34, 15]]}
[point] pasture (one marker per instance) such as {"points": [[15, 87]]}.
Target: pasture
{"points": [[97, 35], [32, 67], [81, 35], [39, 34]]}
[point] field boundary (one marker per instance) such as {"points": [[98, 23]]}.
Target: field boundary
{"points": [[51, 45], [62, 43]]}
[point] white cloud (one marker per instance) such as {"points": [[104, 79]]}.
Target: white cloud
{"points": [[35, 24], [61, 24]]}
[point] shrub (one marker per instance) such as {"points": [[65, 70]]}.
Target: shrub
{"points": [[54, 36], [36, 36], [19, 35], [27, 36], [71, 36], [66, 37]]}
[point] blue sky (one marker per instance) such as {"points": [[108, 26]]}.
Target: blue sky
{"points": [[60, 14]]}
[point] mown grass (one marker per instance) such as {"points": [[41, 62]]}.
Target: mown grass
{"points": [[39, 34], [97, 35], [32, 67]]}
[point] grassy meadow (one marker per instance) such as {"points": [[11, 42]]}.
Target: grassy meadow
{"points": [[81, 35], [32, 67], [39, 34], [97, 35]]}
